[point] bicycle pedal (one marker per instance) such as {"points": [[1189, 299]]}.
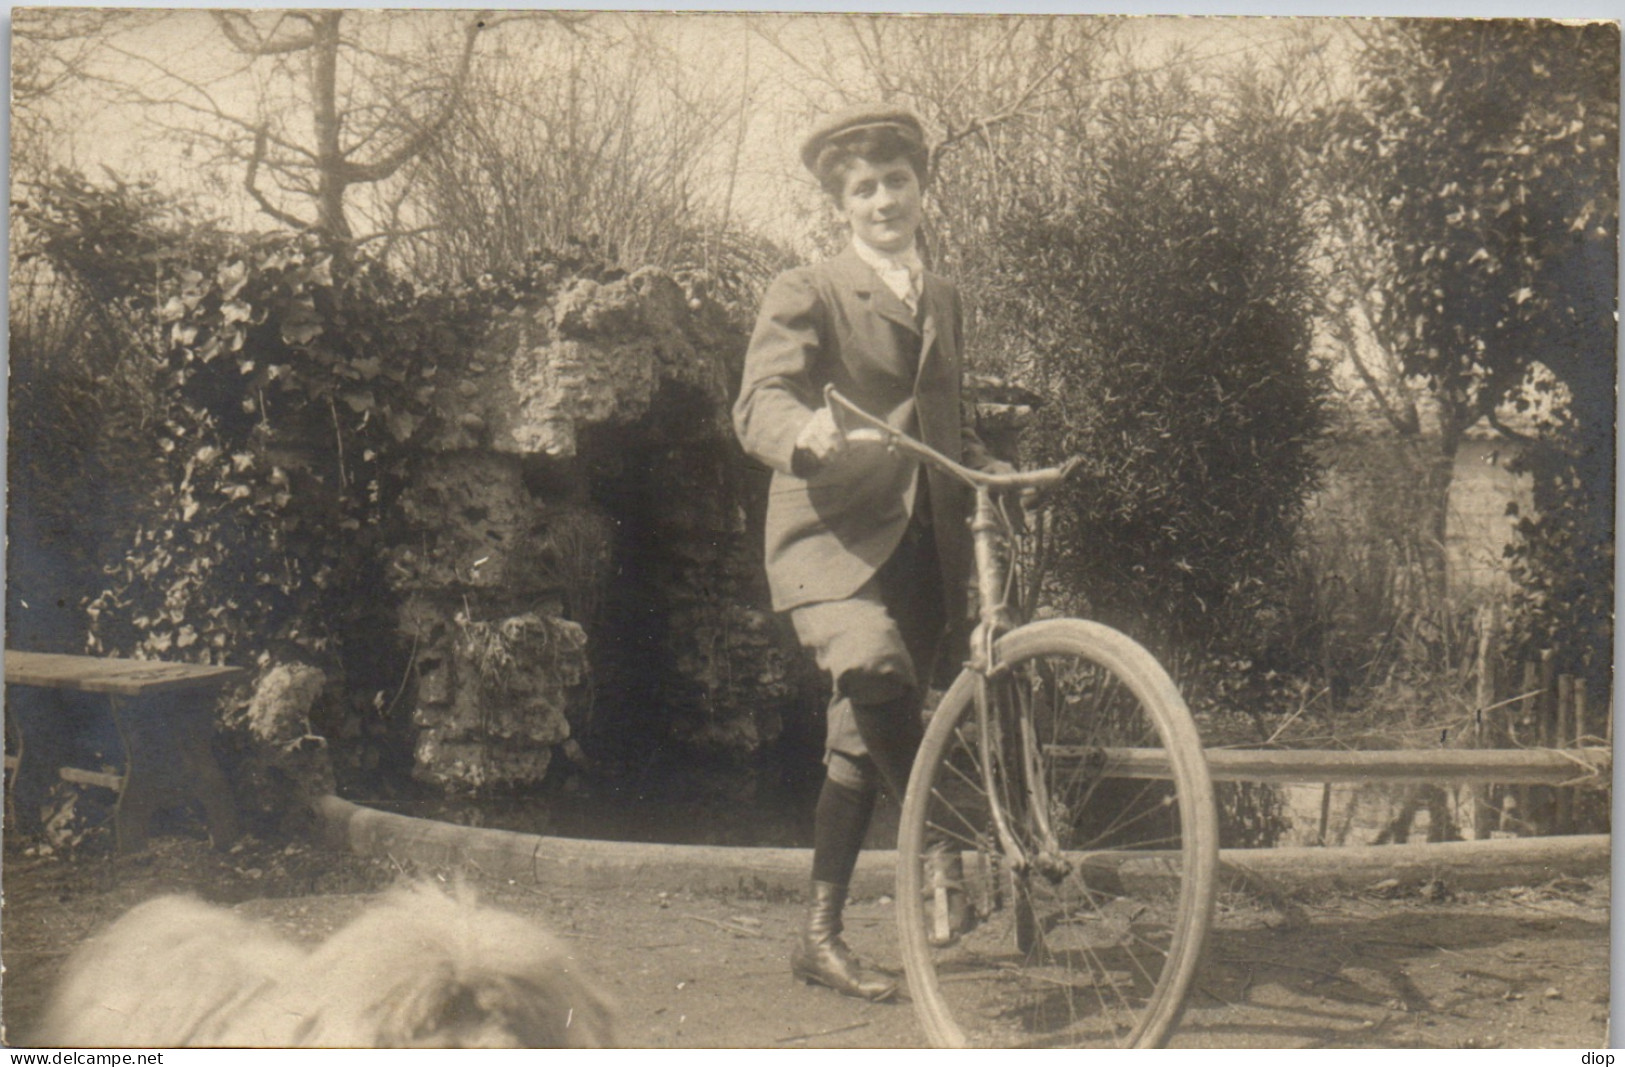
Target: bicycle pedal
{"points": [[942, 927]]}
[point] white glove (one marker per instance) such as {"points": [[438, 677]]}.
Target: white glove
{"points": [[820, 438]]}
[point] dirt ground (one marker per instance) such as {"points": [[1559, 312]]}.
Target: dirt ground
{"points": [[1515, 968]]}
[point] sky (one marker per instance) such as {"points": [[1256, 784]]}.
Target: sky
{"points": [[721, 51]]}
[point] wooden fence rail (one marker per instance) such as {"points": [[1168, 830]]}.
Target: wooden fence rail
{"points": [[1553, 767]]}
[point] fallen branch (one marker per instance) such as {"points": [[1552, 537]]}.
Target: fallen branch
{"points": [[733, 928], [820, 1033]]}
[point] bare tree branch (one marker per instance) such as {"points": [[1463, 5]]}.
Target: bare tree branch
{"points": [[812, 72], [251, 185], [383, 168], [1401, 415], [239, 30], [1014, 110]]}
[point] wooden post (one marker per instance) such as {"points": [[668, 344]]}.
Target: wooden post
{"points": [[1579, 711], [1543, 799], [1546, 710], [1565, 731], [1521, 716], [1509, 813], [1479, 816], [1565, 711], [1525, 733]]}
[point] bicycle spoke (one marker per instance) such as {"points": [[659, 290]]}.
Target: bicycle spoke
{"points": [[1082, 946], [947, 833]]}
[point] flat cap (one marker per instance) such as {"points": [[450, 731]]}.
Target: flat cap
{"points": [[852, 119]]}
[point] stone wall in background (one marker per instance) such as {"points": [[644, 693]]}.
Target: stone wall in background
{"points": [[576, 557]]}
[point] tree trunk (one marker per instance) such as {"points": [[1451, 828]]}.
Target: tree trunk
{"points": [[330, 177], [1438, 472]]}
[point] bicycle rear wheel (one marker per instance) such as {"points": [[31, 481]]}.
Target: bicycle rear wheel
{"points": [[1095, 944]]}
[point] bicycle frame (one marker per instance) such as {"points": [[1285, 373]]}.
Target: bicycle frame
{"points": [[990, 534]]}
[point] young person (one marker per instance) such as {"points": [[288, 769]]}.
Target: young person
{"points": [[868, 552]]}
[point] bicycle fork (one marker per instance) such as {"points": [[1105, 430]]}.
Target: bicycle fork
{"points": [[989, 535]]}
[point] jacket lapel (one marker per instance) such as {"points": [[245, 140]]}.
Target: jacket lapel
{"points": [[933, 308], [862, 280]]}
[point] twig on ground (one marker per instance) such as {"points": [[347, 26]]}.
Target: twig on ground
{"points": [[1408, 944], [819, 1033], [732, 928]]}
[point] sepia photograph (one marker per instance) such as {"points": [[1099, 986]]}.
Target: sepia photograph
{"points": [[606, 529]]}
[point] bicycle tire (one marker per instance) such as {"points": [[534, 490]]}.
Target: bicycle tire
{"points": [[1107, 952]]}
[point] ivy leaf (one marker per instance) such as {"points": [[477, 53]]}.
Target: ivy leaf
{"points": [[402, 424], [300, 333], [360, 402], [232, 277]]}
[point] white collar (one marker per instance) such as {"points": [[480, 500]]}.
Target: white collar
{"points": [[908, 259]]}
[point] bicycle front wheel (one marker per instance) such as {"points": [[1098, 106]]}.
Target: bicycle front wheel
{"points": [[1088, 933]]}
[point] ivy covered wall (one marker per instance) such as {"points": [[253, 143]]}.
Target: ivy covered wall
{"points": [[504, 520]]}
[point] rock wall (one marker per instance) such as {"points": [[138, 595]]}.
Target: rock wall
{"points": [[575, 555], [285, 766], [484, 605]]}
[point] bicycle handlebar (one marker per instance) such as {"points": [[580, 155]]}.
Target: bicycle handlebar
{"points": [[1044, 478]]}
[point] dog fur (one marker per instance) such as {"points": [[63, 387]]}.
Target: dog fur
{"points": [[419, 969]]}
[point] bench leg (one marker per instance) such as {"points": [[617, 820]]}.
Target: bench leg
{"points": [[142, 790], [168, 758], [39, 723], [193, 732]]}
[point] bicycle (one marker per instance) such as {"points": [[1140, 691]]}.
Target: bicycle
{"points": [[1064, 763]]}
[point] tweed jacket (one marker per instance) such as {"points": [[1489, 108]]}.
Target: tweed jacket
{"points": [[830, 529]]}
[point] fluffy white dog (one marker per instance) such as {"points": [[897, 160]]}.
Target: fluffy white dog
{"points": [[419, 969]]}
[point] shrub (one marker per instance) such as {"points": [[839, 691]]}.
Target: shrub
{"points": [[86, 261], [1159, 283]]}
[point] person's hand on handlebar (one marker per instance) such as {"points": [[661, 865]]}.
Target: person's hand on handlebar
{"points": [[821, 439]]}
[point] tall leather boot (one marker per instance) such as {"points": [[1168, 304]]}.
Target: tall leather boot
{"points": [[822, 958]]}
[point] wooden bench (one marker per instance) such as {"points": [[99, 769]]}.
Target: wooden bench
{"points": [[164, 715]]}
